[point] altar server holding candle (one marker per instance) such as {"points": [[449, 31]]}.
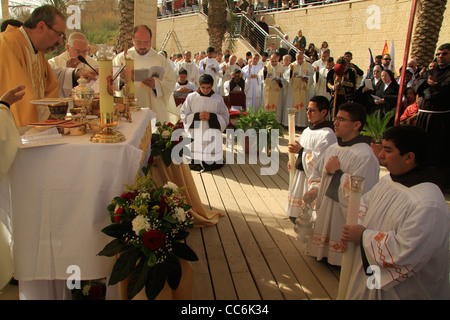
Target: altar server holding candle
{"points": [[330, 181], [404, 225]]}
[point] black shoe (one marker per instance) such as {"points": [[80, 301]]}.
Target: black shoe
{"points": [[292, 219], [213, 166]]}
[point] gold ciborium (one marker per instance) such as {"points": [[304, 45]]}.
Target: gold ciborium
{"points": [[82, 97]]}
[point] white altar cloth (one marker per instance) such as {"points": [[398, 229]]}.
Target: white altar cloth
{"points": [[59, 198]]}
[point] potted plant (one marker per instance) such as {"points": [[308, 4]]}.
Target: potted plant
{"points": [[258, 120], [375, 126]]}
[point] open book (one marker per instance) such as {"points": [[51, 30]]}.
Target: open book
{"points": [[153, 72]]}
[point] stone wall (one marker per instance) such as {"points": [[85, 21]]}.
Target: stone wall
{"points": [[348, 26]]}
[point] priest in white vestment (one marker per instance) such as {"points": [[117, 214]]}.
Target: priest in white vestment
{"points": [[330, 181], [209, 65], [300, 89], [154, 92], [205, 116], [311, 145], [227, 69], [190, 66], [68, 68], [9, 145], [252, 76], [273, 85], [404, 227]]}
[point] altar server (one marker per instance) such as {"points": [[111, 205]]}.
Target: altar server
{"points": [[154, 92], [311, 145], [404, 227], [23, 61], [205, 117], [329, 183], [190, 66], [211, 66]]}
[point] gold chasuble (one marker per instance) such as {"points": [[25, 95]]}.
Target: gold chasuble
{"points": [[299, 87], [272, 87], [21, 65]]}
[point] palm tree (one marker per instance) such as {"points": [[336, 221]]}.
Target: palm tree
{"points": [[217, 23], [5, 9], [426, 33], [126, 9]]}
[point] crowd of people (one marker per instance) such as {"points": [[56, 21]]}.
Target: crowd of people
{"points": [[404, 215]]}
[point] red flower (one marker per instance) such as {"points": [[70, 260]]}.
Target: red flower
{"points": [[96, 292], [151, 160], [129, 195], [117, 215], [170, 124], [153, 239]]}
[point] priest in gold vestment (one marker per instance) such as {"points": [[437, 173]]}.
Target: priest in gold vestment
{"points": [[23, 61]]}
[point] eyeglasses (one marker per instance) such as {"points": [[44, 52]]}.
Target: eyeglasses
{"points": [[441, 53], [311, 110], [78, 52], [387, 59], [140, 43], [340, 119], [60, 34]]}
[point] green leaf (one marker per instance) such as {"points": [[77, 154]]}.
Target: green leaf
{"points": [[156, 281], [124, 265], [116, 230], [138, 278], [170, 219], [173, 271], [183, 234], [167, 157], [114, 247], [183, 251]]}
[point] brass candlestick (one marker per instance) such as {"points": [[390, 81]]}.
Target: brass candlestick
{"points": [[107, 134]]}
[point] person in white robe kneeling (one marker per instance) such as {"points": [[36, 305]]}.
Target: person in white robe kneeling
{"points": [[404, 226], [205, 116], [330, 181], [311, 145]]}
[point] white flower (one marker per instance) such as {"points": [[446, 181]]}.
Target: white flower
{"points": [[171, 185], [165, 134], [145, 195], [180, 214], [140, 223]]}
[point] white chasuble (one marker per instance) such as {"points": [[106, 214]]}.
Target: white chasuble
{"points": [[407, 238], [159, 99], [314, 143], [331, 207], [252, 86], [207, 141]]}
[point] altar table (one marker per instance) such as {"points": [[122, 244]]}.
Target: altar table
{"points": [[59, 198]]}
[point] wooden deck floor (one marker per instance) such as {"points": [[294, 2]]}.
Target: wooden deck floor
{"points": [[252, 253]]}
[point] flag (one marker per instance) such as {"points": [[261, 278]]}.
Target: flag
{"points": [[371, 57], [385, 49], [392, 54]]}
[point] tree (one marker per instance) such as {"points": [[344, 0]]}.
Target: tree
{"points": [[126, 9], [217, 23], [426, 32]]}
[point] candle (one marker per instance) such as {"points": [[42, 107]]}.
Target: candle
{"points": [[291, 140], [354, 201], [104, 79], [129, 67]]}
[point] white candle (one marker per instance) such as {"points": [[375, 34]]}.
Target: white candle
{"points": [[354, 202], [105, 72], [292, 141], [129, 67]]}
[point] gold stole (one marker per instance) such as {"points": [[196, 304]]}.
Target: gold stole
{"points": [[298, 85], [35, 68], [272, 87]]}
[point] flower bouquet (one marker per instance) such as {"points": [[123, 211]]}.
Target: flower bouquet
{"points": [[162, 143], [149, 224], [90, 290]]}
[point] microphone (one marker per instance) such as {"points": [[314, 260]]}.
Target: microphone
{"points": [[82, 59]]}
